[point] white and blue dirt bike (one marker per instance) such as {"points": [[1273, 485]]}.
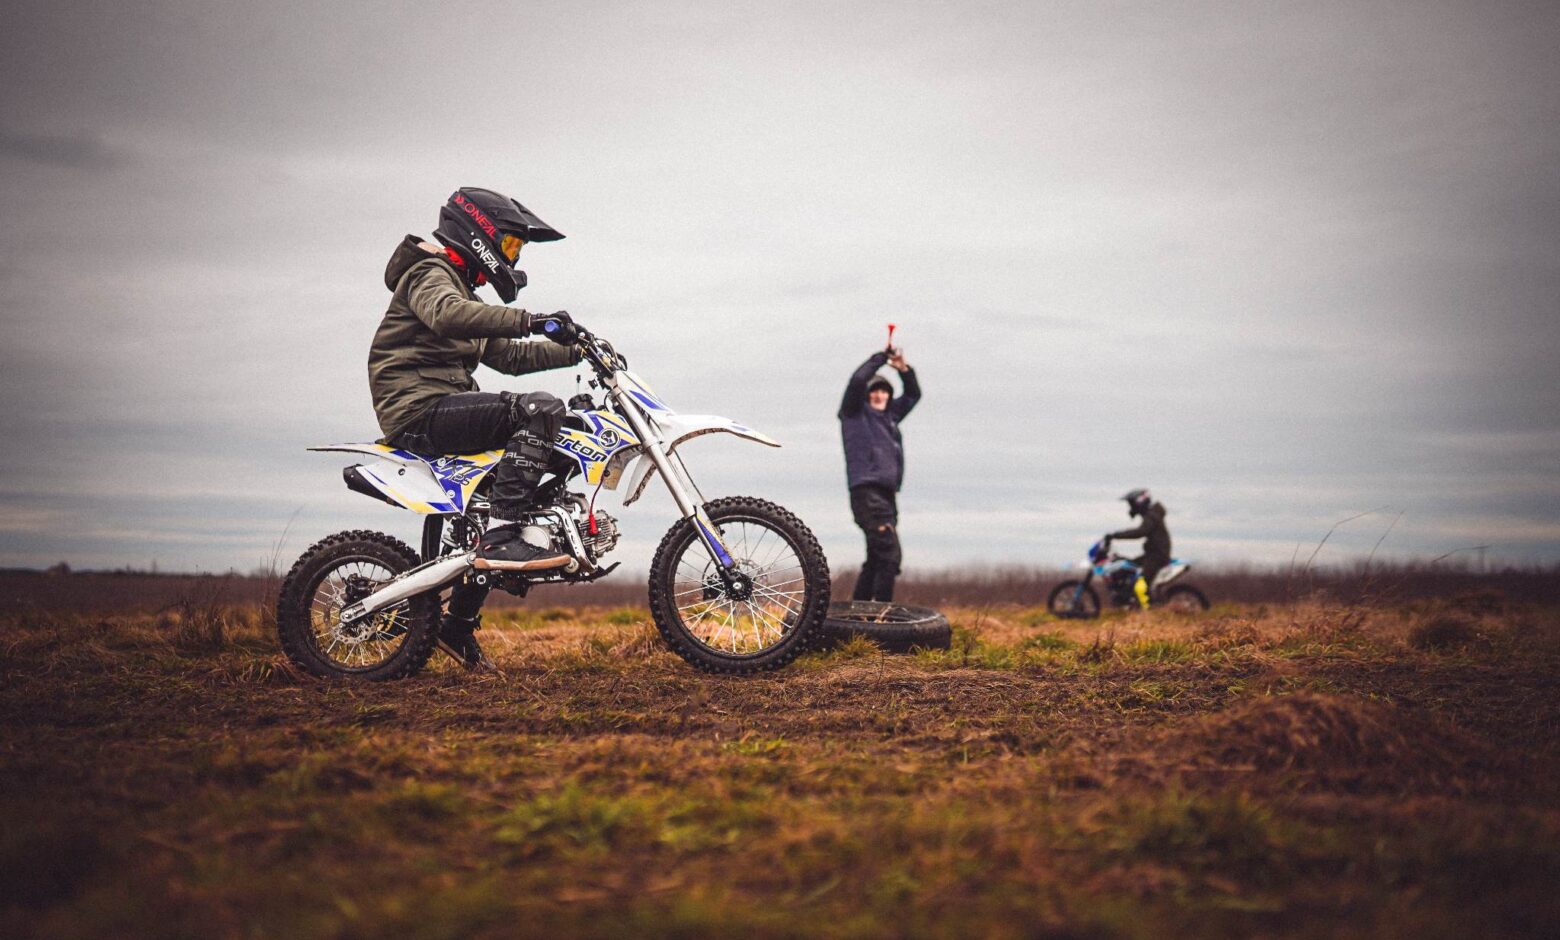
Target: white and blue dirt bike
{"points": [[739, 585], [1077, 599]]}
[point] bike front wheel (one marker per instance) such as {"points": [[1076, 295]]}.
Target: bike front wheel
{"points": [[1073, 600], [775, 614]]}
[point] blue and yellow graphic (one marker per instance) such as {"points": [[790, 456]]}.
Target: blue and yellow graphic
{"points": [[457, 476], [601, 448]]}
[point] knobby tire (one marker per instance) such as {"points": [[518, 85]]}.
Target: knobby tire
{"points": [[294, 623], [803, 635]]}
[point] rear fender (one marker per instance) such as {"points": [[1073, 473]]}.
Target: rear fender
{"points": [[438, 487], [1170, 572]]}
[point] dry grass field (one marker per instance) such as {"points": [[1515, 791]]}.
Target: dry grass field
{"points": [[1284, 771]]}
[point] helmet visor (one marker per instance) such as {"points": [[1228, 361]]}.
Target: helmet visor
{"points": [[510, 247]]}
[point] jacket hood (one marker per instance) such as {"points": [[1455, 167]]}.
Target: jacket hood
{"points": [[406, 255]]}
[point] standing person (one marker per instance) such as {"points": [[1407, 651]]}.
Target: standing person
{"points": [[433, 336], [1155, 536], [875, 464]]}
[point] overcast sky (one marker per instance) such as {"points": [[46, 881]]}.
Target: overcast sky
{"points": [[1280, 262]]}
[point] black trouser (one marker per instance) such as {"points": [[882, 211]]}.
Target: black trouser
{"points": [[878, 516], [525, 426]]}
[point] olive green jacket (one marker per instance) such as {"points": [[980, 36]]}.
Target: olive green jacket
{"points": [[436, 332]]}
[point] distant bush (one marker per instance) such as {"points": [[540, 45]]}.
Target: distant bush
{"points": [[1465, 589]]}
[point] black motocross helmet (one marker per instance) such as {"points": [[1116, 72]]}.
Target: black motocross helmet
{"points": [[487, 229], [1137, 501]]}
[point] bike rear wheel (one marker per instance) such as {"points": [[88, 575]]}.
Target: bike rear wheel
{"points": [[754, 630], [1185, 599], [1073, 600], [336, 572]]}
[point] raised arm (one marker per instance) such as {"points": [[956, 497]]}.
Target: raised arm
{"points": [[447, 311], [856, 389], [901, 406], [1134, 533]]}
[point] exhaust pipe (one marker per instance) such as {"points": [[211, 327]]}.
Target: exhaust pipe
{"points": [[428, 577]]}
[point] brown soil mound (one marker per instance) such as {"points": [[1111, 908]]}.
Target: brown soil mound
{"points": [[1327, 742]]}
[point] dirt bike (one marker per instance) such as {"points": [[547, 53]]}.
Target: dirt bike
{"points": [[1077, 599], [739, 585]]}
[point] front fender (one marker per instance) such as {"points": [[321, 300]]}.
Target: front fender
{"points": [[675, 429]]}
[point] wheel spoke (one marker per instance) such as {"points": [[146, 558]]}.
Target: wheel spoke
{"points": [[778, 584], [760, 543], [757, 613], [370, 641], [748, 624], [768, 591], [760, 613]]}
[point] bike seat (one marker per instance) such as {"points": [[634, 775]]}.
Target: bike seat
{"points": [[375, 449]]}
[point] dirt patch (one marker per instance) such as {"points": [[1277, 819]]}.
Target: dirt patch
{"points": [[1300, 771], [1338, 743]]}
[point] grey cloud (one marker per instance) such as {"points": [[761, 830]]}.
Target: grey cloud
{"points": [[76, 151], [1280, 264]]}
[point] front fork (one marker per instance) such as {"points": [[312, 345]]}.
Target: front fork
{"points": [[684, 492], [1082, 586]]}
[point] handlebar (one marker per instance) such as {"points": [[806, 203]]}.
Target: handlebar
{"points": [[598, 352]]}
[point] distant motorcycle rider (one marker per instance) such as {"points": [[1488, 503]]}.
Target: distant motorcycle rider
{"points": [[433, 336], [875, 464], [1155, 536]]}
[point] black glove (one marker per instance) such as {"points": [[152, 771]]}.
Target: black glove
{"points": [[558, 327]]}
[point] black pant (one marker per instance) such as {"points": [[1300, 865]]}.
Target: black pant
{"points": [[525, 426], [878, 516]]}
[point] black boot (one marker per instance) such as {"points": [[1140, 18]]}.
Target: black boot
{"points": [[457, 637], [502, 549], [528, 453]]}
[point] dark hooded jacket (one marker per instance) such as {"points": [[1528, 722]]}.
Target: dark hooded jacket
{"points": [[874, 448], [1152, 530], [436, 332]]}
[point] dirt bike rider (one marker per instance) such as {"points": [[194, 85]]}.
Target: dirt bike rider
{"points": [[420, 366], [1155, 536], [875, 464]]}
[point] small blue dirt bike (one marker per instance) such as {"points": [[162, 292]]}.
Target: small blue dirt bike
{"points": [[1077, 600]]}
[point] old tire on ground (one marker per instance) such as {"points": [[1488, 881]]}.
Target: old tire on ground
{"points": [[897, 628], [335, 572]]}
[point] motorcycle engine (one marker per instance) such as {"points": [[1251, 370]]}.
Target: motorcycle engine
{"points": [[606, 537], [544, 530]]}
